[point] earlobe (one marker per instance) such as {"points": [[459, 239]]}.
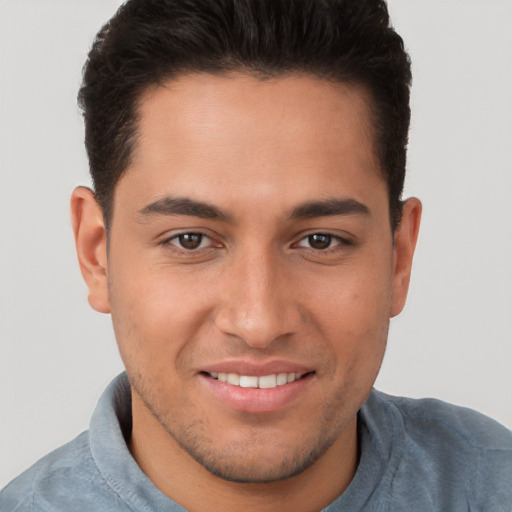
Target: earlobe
{"points": [[405, 239], [91, 246]]}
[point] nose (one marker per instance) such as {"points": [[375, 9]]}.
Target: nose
{"points": [[258, 303]]}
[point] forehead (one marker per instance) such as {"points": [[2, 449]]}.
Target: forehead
{"points": [[204, 132], [239, 106]]}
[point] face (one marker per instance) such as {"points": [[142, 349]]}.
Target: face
{"points": [[251, 272]]}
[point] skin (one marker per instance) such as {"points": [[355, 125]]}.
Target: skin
{"points": [[256, 291]]}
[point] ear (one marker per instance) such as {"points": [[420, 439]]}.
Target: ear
{"points": [[405, 239], [91, 246]]}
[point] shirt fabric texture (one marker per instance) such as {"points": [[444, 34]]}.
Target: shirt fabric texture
{"points": [[416, 455]]}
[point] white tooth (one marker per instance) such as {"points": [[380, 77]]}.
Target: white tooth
{"points": [[282, 378], [223, 377], [248, 381], [234, 379], [291, 377], [298, 376], [267, 381], [214, 374]]}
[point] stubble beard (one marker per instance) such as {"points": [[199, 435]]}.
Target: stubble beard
{"points": [[243, 461]]}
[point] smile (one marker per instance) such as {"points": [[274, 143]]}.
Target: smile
{"points": [[252, 381], [254, 389]]}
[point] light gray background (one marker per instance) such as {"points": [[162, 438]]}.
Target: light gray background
{"points": [[454, 339]]}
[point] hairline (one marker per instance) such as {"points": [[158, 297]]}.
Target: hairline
{"points": [[260, 74]]}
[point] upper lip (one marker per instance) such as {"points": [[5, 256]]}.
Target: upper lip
{"points": [[251, 368]]}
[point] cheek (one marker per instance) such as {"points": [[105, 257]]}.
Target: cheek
{"points": [[356, 302], [354, 317], [153, 315]]}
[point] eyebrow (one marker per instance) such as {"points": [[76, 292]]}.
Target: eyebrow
{"points": [[183, 206], [328, 207]]}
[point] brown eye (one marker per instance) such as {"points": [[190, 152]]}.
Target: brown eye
{"points": [[319, 241], [190, 241]]}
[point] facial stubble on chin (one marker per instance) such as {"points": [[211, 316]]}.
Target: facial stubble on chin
{"points": [[240, 461]]}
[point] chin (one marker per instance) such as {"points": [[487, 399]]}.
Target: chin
{"points": [[254, 461]]}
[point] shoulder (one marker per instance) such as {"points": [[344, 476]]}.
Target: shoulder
{"points": [[430, 419], [450, 452], [65, 479]]}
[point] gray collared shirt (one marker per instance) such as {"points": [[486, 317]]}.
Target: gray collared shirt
{"points": [[416, 455]]}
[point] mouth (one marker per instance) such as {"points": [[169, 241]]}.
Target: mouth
{"points": [[246, 387], [252, 381]]}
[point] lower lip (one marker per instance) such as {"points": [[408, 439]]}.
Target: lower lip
{"points": [[257, 400]]}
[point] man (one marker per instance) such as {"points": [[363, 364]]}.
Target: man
{"points": [[247, 234]]}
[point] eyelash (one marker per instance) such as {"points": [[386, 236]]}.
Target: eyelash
{"points": [[168, 242], [340, 242]]}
